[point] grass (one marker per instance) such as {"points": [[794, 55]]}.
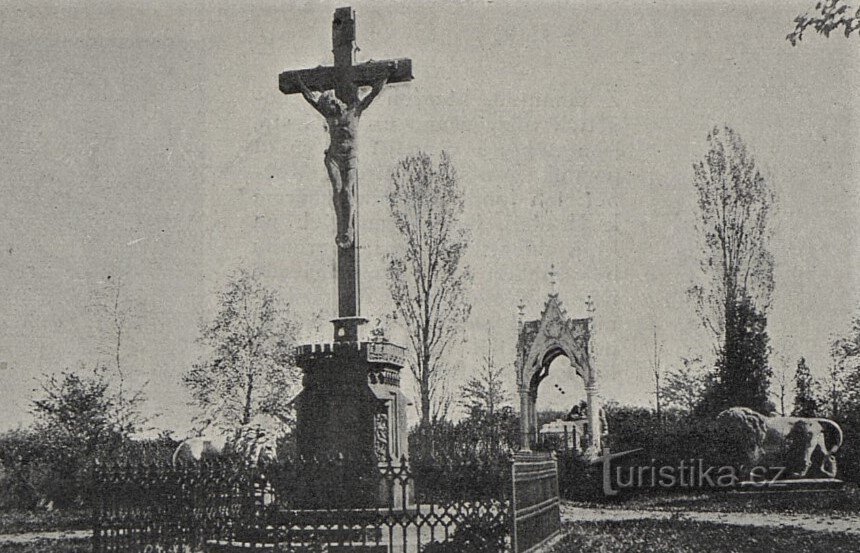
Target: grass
{"points": [[680, 536], [48, 546], [15, 522], [842, 502]]}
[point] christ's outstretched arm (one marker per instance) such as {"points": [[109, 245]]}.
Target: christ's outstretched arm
{"points": [[374, 92], [309, 96]]}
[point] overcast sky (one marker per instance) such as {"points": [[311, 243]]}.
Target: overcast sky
{"points": [[149, 142]]}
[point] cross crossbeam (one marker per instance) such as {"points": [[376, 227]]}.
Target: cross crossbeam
{"points": [[325, 78]]}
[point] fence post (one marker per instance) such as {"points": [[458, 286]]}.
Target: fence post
{"points": [[96, 506], [535, 502], [513, 506]]}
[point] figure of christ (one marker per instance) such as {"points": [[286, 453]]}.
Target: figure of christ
{"points": [[340, 157]]}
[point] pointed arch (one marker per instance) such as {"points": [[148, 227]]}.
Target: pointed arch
{"points": [[539, 343]]}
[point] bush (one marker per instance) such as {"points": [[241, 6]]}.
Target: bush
{"points": [[22, 462], [678, 435], [478, 436], [579, 479], [469, 459], [40, 469], [476, 533], [80, 417], [664, 442]]}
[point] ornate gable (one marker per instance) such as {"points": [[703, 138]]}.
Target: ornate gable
{"points": [[540, 341]]}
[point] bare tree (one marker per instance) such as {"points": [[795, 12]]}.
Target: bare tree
{"points": [[426, 277], [442, 396], [249, 369], [784, 381], [486, 390], [657, 371], [114, 313]]}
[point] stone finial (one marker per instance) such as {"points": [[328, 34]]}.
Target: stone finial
{"points": [[521, 313], [553, 281]]}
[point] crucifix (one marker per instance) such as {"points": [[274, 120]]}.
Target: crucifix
{"points": [[335, 92]]}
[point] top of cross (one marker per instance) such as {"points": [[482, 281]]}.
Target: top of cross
{"points": [[345, 75]]}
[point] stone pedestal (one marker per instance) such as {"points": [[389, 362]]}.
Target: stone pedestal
{"points": [[351, 408]]}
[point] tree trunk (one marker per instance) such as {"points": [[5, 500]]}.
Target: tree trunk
{"points": [[782, 399], [246, 415], [425, 384], [425, 405]]}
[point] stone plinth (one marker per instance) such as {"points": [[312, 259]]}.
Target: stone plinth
{"points": [[351, 407]]}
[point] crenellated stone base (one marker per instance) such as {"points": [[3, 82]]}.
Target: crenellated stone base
{"points": [[351, 407]]}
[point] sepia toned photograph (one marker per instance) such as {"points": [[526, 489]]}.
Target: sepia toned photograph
{"points": [[497, 276]]}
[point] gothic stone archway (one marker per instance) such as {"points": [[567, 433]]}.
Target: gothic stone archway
{"points": [[539, 343]]}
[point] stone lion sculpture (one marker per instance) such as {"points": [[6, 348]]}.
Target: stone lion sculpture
{"points": [[792, 441]]}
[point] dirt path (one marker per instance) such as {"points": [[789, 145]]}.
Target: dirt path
{"points": [[28, 537], [814, 523]]}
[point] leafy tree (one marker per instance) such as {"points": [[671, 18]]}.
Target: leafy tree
{"points": [[829, 16], [80, 417], [835, 394], [842, 395], [805, 396], [249, 368], [742, 375], [486, 390], [734, 292], [684, 385], [845, 372], [426, 277], [81, 410]]}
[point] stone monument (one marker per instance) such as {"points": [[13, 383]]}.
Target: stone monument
{"points": [[539, 343], [351, 406]]}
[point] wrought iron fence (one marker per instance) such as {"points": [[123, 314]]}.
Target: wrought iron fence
{"points": [[302, 506]]}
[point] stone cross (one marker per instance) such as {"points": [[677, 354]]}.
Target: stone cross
{"points": [[334, 92]]}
